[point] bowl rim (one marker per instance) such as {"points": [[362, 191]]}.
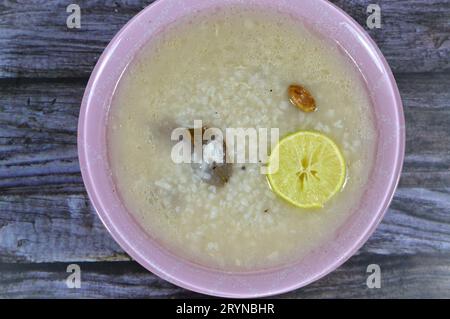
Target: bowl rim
{"points": [[96, 191]]}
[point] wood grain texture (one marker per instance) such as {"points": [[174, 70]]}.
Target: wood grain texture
{"points": [[402, 277], [46, 215], [47, 221], [36, 42], [38, 123], [65, 228]]}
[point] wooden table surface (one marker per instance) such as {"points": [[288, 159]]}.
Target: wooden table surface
{"points": [[47, 221]]}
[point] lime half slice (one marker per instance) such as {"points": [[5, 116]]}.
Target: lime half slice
{"points": [[306, 168]]}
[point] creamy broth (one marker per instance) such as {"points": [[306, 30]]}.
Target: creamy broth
{"points": [[231, 68]]}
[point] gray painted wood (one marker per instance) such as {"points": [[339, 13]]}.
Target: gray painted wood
{"points": [[36, 42], [47, 221], [402, 277], [64, 228]]}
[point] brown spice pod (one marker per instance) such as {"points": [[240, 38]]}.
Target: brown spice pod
{"points": [[301, 98]]}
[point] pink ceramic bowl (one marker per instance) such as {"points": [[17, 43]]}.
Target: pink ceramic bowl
{"points": [[322, 17]]}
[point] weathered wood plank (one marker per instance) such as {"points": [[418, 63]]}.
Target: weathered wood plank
{"points": [[53, 228], [426, 100], [414, 34], [426, 276], [45, 214], [35, 41], [98, 280], [45, 228], [38, 123], [420, 276], [418, 221]]}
